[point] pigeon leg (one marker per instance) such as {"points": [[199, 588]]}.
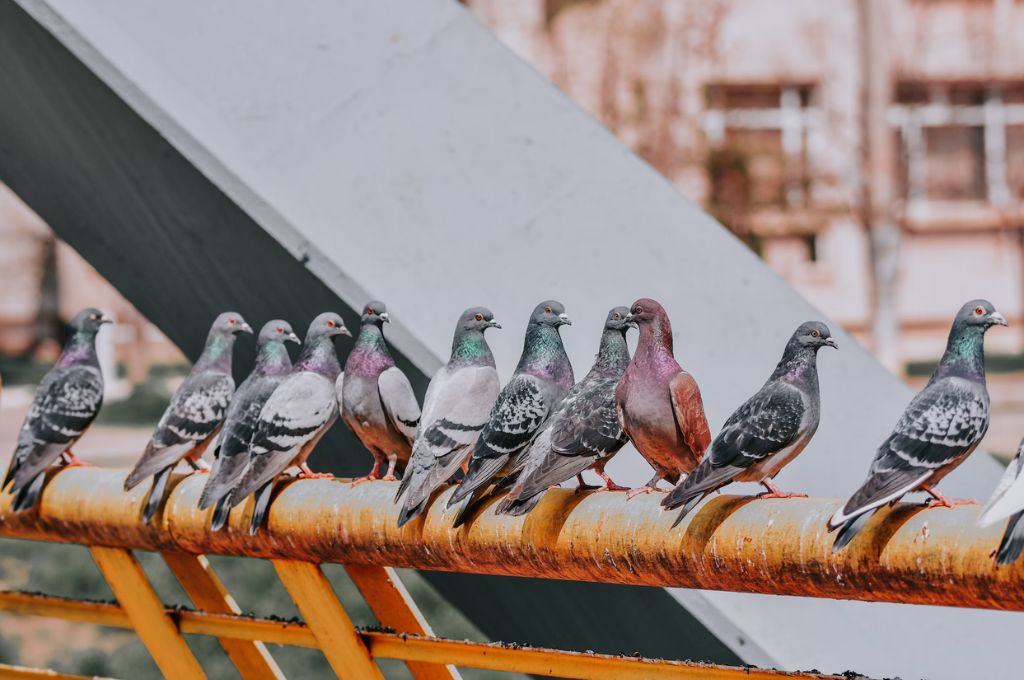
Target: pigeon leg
{"points": [[609, 485], [646, 488], [392, 462], [581, 485], [939, 501], [773, 492], [306, 473], [197, 464], [374, 472], [71, 460]]}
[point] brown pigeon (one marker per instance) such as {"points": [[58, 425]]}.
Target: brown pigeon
{"points": [[659, 404]]}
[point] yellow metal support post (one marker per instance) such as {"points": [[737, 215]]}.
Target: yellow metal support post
{"points": [[207, 592], [168, 648], [333, 629], [394, 608]]}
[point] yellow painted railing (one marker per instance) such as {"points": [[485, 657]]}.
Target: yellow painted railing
{"points": [[906, 554]]}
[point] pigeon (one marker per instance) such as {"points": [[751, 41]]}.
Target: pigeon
{"points": [[377, 401], [768, 431], [939, 429], [231, 452], [296, 415], [584, 432], [540, 381], [455, 410], [659, 404], [194, 415], [1008, 500], [65, 404]]}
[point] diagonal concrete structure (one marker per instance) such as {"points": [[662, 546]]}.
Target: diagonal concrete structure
{"points": [[285, 160]]}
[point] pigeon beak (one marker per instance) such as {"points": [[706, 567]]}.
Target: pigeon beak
{"points": [[291, 337], [564, 318], [385, 317], [344, 331], [630, 319], [493, 324], [243, 328], [105, 319], [831, 343], [997, 318]]}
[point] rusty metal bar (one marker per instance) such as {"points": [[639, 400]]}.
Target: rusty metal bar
{"points": [[154, 627], [391, 603], [206, 591], [532, 660], [9, 672], [905, 554]]}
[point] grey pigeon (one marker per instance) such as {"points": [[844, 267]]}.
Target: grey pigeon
{"points": [[1008, 501], [939, 429], [455, 409], [659, 404], [66, 402], [377, 401], [298, 413], [768, 431], [194, 415], [231, 452], [540, 381], [584, 432]]}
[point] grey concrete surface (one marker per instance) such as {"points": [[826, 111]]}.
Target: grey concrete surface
{"points": [[400, 152]]}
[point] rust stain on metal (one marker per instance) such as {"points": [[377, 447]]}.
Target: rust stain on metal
{"points": [[905, 554]]}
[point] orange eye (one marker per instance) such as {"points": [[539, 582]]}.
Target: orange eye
{"points": [[280, 330], [815, 334], [978, 311], [479, 317], [231, 321], [369, 310], [547, 310], [330, 323]]}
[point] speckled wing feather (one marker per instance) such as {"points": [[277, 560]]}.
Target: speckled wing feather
{"points": [[64, 406], [765, 424], [194, 414], [689, 411], [399, 401], [587, 423], [301, 407], [943, 423], [515, 418]]}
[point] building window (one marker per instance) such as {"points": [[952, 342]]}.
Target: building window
{"points": [[759, 138], [960, 142]]}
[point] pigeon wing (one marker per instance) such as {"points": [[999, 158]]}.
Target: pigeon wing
{"points": [[399, 401], [689, 411]]}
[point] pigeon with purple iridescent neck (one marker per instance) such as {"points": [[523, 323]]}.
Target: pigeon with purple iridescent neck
{"points": [[455, 409], [768, 431], [659, 404], [231, 452], [540, 381], [194, 415], [584, 433], [66, 402], [295, 417], [377, 401], [940, 427]]}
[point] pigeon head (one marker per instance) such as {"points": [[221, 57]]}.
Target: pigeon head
{"points": [[646, 311], [375, 312], [88, 322], [327, 325], [230, 323], [813, 335], [277, 330], [477, 319], [550, 313], [980, 314], [617, 320]]}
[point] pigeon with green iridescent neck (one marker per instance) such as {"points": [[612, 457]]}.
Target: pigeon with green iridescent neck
{"points": [[194, 415], [66, 402], [377, 401], [541, 380], [584, 432], [455, 409], [659, 404], [768, 431], [295, 417], [231, 452], [941, 427]]}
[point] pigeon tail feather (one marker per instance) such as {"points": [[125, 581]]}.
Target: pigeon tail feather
{"points": [[156, 493], [411, 512], [481, 471], [468, 507], [689, 505], [221, 513], [260, 507], [29, 494], [849, 530], [1012, 544]]}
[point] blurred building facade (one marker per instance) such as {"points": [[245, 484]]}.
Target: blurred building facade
{"points": [[759, 111]]}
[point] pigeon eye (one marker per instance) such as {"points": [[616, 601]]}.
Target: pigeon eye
{"points": [[815, 334], [280, 330], [978, 311], [330, 323], [369, 310], [547, 310], [479, 317], [639, 310], [231, 321], [616, 317]]}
